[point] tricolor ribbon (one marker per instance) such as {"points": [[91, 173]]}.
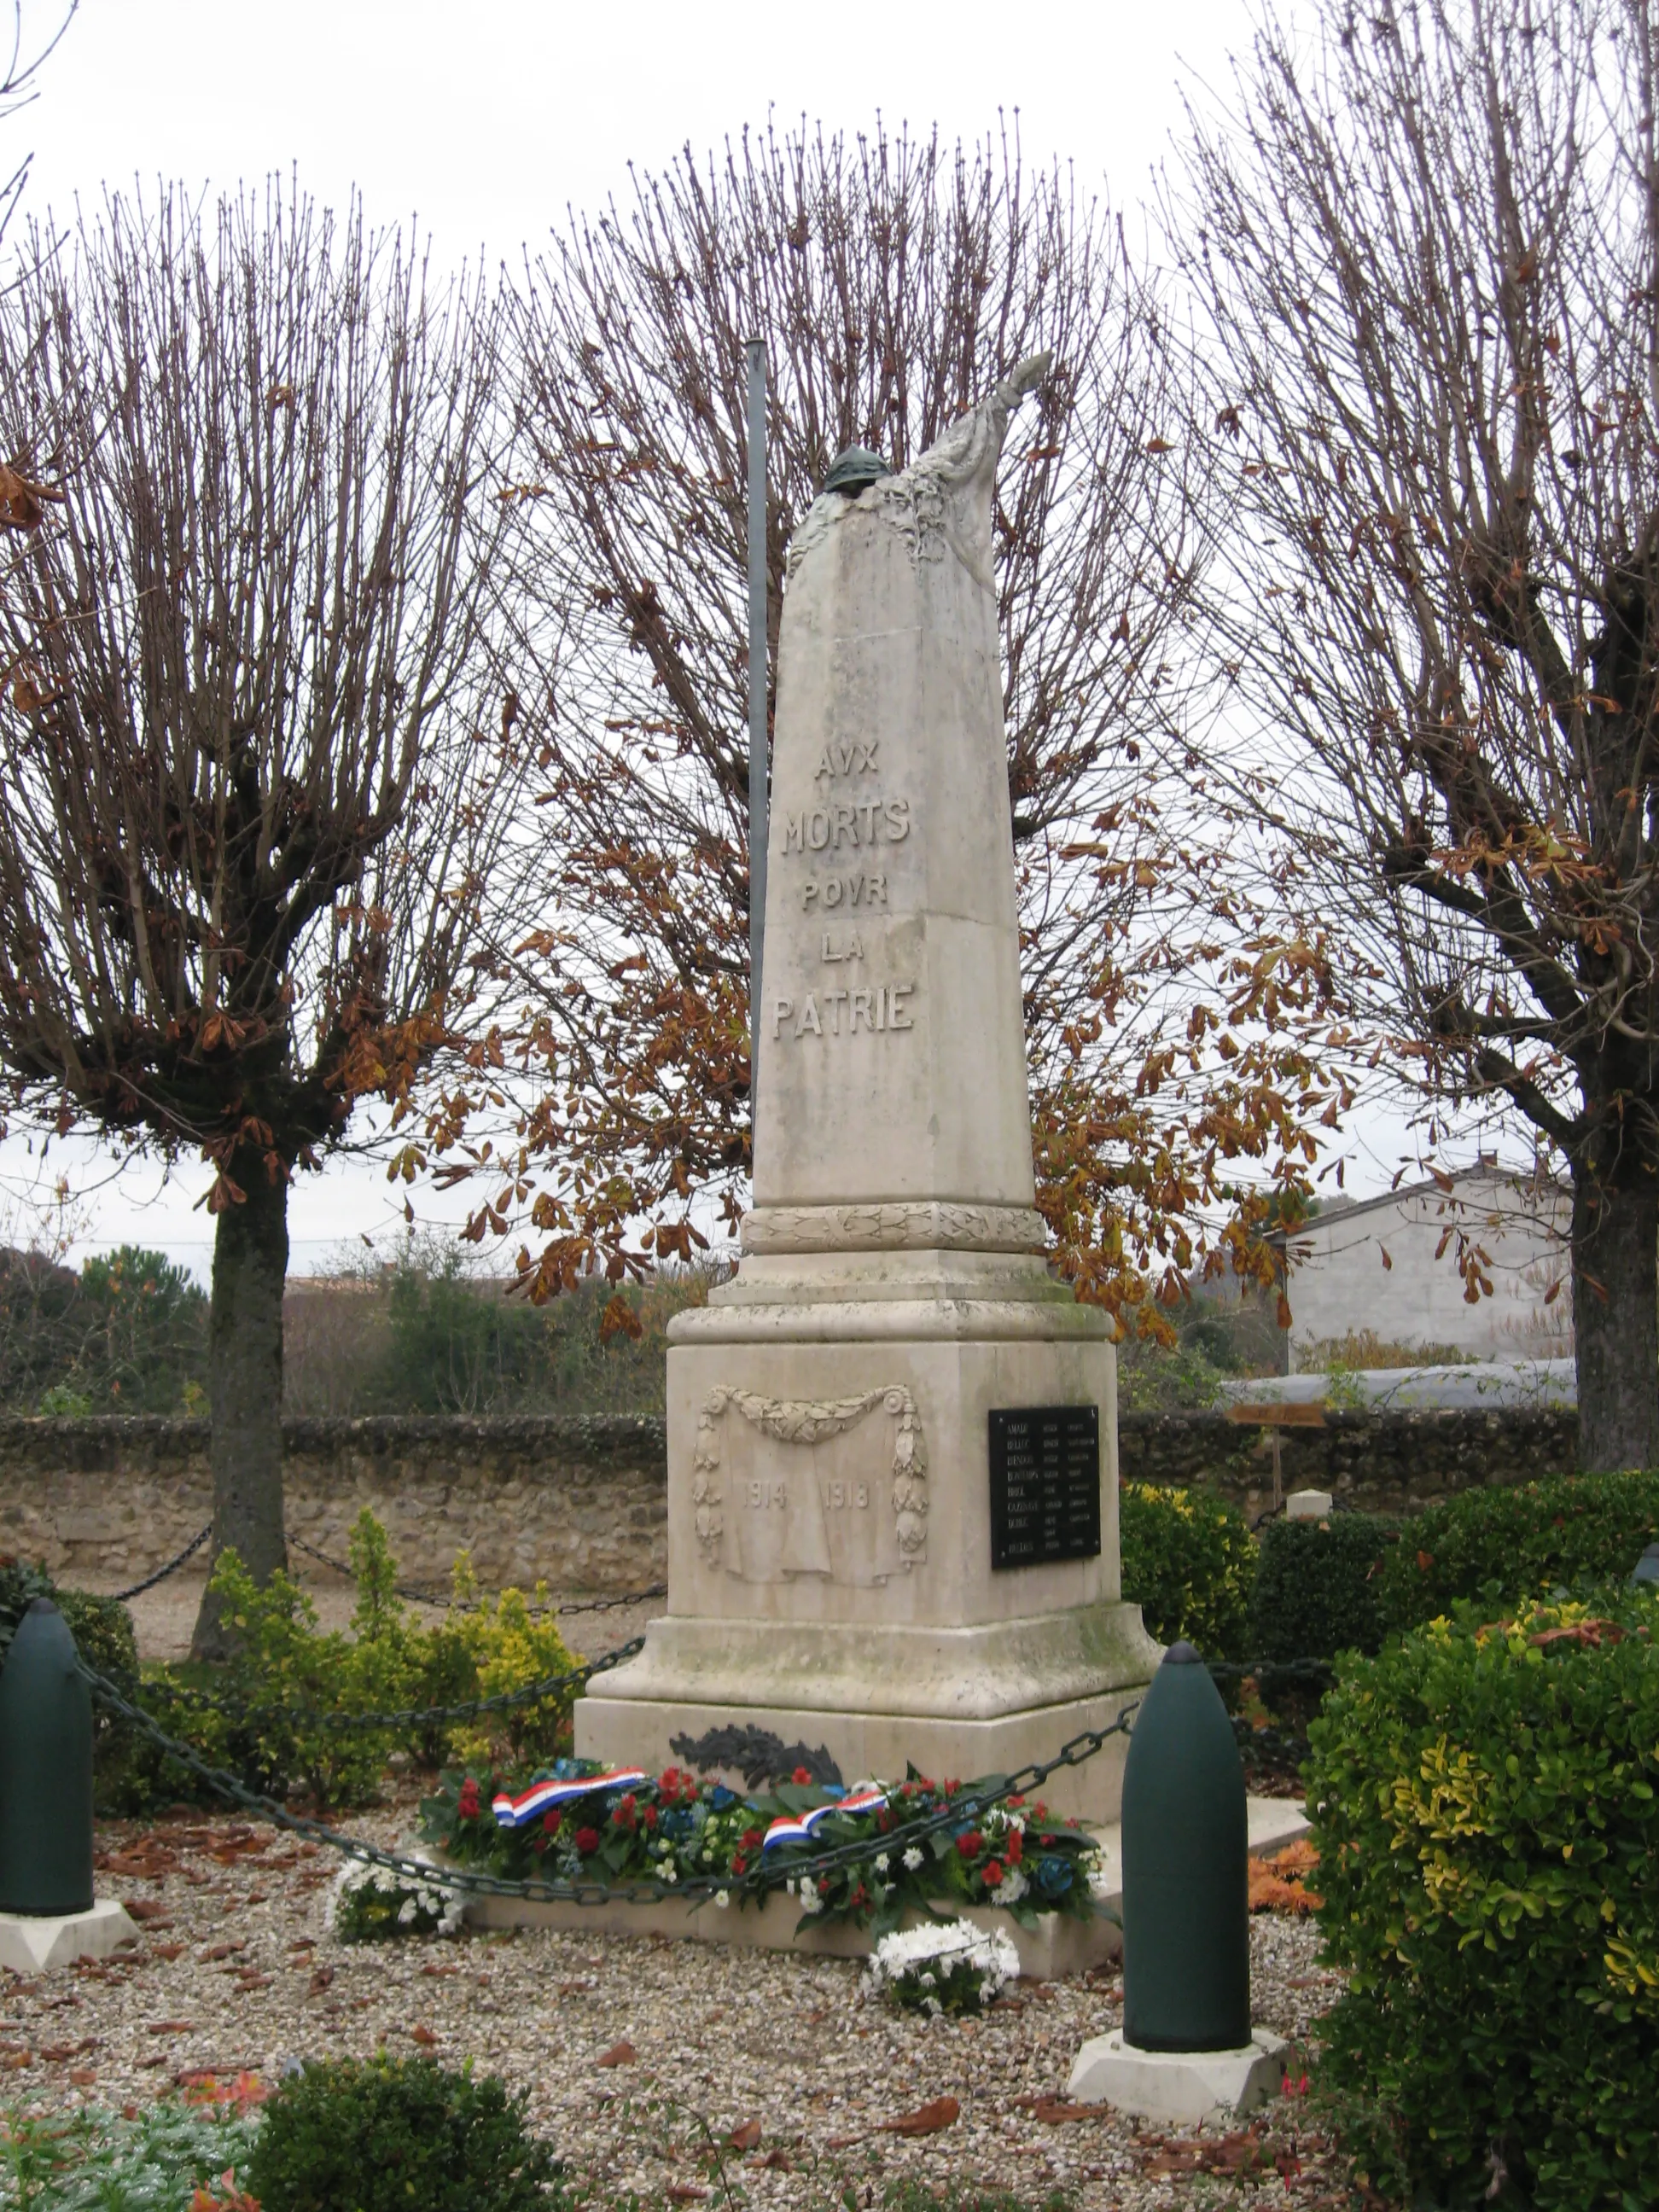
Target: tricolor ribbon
{"points": [[801, 1830], [518, 1812]]}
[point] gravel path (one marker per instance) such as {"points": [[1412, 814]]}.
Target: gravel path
{"points": [[234, 1969]]}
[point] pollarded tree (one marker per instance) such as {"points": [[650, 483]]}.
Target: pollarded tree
{"points": [[1428, 245], [247, 811], [895, 281]]}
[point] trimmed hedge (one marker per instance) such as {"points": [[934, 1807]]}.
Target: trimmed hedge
{"points": [[1569, 1530], [1486, 1805], [1317, 1586], [1189, 1563]]}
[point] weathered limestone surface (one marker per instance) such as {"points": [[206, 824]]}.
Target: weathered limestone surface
{"points": [[829, 1543]]}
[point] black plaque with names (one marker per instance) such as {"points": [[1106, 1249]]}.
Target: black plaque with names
{"points": [[1045, 1484]]}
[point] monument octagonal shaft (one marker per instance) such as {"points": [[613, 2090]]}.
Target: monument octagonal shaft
{"points": [[46, 1770]]}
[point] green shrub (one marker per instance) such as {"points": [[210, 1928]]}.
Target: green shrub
{"points": [[384, 2135], [1486, 1813], [1317, 1586], [1568, 1529], [1189, 1563], [94, 2161]]}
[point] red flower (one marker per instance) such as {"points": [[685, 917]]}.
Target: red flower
{"points": [[551, 1819], [801, 1774], [466, 1805], [1014, 1846], [1015, 1802], [991, 1873], [951, 1788], [738, 1862], [587, 1841], [650, 1816], [971, 1844], [749, 1840]]}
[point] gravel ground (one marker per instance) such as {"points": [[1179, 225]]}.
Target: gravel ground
{"points": [[638, 2053]]}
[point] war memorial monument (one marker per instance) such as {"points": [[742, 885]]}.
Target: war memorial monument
{"points": [[892, 1436]]}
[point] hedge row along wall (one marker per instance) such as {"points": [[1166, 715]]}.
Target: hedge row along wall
{"points": [[581, 1503]]}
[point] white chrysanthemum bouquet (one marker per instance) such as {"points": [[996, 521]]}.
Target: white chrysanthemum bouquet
{"points": [[373, 1904], [942, 1966]]}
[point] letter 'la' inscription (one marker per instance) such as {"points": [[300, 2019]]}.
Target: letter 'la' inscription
{"points": [[844, 1013]]}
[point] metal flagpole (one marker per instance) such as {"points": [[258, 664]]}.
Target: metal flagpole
{"points": [[757, 747]]}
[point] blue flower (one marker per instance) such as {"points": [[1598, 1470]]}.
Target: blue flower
{"points": [[1054, 1876], [677, 1822], [720, 1797]]}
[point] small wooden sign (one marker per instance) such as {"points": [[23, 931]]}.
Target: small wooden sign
{"points": [[1045, 1484], [1278, 1414]]}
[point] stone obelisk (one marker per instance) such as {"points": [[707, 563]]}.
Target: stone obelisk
{"points": [[892, 1486]]}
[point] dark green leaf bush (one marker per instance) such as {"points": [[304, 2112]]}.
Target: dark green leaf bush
{"points": [[1189, 1563], [1568, 1529], [384, 2134], [1317, 1585], [1486, 1812]]}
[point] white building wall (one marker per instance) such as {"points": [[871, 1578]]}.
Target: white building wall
{"points": [[1341, 1283]]}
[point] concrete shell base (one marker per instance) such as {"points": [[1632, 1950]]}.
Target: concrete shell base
{"points": [[639, 1731], [29, 1945], [1181, 2087]]}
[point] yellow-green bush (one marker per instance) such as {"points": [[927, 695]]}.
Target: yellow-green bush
{"points": [[267, 1714], [1485, 1803], [1189, 1563]]}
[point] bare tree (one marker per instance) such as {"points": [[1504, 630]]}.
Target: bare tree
{"points": [[20, 66], [1429, 251], [246, 811], [894, 280]]}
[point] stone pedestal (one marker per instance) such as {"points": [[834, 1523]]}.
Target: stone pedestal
{"points": [[830, 1494], [1183, 2087], [30, 1942]]}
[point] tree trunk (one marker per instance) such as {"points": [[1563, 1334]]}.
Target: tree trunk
{"points": [[244, 1381], [1615, 1316]]}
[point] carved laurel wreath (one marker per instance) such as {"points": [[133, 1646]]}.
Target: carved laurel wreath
{"points": [[804, 1421]]}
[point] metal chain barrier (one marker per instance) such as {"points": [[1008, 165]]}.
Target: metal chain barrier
{"points": [[171, 1567], [501, 1701], [431, 1597], [757, 1881]]}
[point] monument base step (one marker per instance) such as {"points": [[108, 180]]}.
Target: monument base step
{"points": [[30, 1943], [1057, 1946], [1181, 2087], [642, 1732]]}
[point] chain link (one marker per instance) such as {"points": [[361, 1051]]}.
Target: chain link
{"points": [[171, 1567], [757, 1881], [470, 1605]]}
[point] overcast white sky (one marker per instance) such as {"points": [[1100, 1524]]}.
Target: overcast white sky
{"points": [[487, 121]]}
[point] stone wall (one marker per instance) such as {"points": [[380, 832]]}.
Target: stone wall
{"points": [[582, 1504], [579, 1504]]}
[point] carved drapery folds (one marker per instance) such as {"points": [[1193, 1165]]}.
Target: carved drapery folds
{"points": [[821, 1505]]}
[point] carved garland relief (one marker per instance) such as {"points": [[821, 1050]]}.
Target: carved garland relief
{"points": [[797, 1489]]}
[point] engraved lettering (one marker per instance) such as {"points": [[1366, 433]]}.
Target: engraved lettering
{"points": [[834, 891], [898, 819], [897, 1018], [850, 890], [794, 831], [810, 896], [867, 810], [781, 1010], [816, 820], [861, 1005], [858, 757], [881, 1006], [858, 890], [835, 1000], [809, 1025], [829, 952], [875, 891], [834, 950], [846, 826]]}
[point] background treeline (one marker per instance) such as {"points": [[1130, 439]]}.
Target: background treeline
{"points": [[129, 1334]]}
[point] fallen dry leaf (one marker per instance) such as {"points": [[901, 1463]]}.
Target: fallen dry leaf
{"points": [[682, 2192], [777, 2162], [620, 2054], [423, 2036], [320, 1980], [166, 2027], [147, 1910], [223, 1950], [167, 1950], [926, 2119], [82, 2077], [1054, 2112], [746, 2137]]}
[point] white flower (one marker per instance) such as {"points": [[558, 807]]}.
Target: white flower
{"points": [[1013, 1886], [670, 1874], [930, 1981], [913, 1858], [811, 1901], [406, 1911], [916, 1960], [722, 1898], [882, 1862]]}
